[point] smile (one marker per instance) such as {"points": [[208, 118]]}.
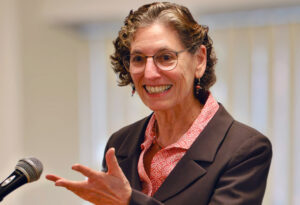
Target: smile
{"points": [[157, 89]]}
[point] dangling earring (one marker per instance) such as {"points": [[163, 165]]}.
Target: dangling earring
{"points": [[133, 90], [198, 86]]}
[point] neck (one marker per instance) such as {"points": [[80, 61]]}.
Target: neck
{"points": [[172, 124]]}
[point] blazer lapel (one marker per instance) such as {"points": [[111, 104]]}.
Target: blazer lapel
{"points": [[129, 152], [185, 172], [192, 165]]}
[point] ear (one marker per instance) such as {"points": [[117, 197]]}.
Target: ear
{"points": [[201, 61]]}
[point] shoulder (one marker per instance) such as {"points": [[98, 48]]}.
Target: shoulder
{"points": [[128, 132], [245, 134], [126, 140], [239, 132], [239, 138], [243, 143]]}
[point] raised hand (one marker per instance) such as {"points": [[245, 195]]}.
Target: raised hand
{"points": [[110, 188]]}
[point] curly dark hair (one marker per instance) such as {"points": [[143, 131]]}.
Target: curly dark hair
{"points": [[192, 35]]}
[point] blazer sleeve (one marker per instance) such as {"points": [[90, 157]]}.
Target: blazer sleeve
{"points": [[139, 198], [245, 176]]}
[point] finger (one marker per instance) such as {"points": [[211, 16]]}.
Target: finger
{"points": [[71, 185], [52, 177], [112, 163], [86, 171]]}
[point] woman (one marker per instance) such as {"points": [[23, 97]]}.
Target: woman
{"points": [[190, 150]]}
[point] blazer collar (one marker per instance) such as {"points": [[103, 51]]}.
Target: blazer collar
{"points": [[206, 145], [189, 168], [204, 149]]}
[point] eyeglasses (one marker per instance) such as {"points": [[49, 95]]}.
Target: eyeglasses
{"points": [[164, 60]]}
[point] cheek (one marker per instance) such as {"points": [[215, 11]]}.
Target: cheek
{"points": [[187, 76], [137, 81], [187, 83], [134, 79]]}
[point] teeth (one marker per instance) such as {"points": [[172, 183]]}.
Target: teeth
{"points": [[157, 89]]}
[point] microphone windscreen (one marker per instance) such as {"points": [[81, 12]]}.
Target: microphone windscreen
{"points": [[31, 167]]}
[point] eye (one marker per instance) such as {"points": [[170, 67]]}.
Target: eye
{"points": [[166, 57], [137, 58]]}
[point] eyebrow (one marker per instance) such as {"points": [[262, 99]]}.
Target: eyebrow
{"points": [[136, 52], [159, 50]]}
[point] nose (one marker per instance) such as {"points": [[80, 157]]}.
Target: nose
{"points": [[151, 70]]}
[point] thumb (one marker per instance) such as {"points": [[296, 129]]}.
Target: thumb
{"points": [[112, 164]]}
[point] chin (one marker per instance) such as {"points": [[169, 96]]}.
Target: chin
{"points": [[159, 106]]}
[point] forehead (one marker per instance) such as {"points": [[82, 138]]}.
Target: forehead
{"points": [[155, 37]]}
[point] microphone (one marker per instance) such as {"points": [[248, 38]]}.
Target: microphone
{"points": [[27, 170]]}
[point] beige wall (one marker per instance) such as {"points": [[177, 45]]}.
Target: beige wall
{"points": [[38, 99], [46, 108], [11, 123]]}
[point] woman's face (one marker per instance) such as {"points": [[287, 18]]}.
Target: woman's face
{"points": [[162, 90]]}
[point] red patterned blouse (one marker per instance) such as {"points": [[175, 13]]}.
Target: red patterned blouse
{"points": [[166, 159]]}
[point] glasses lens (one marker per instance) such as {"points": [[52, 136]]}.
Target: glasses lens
{"points": [[166, 60], [137, 63]]}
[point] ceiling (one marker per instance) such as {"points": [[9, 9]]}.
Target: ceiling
{"points": [[85, 11]]}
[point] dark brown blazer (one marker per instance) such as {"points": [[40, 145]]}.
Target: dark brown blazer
{"points": [[227, 164]]}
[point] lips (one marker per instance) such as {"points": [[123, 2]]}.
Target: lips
{"points": [[157, 89]]}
